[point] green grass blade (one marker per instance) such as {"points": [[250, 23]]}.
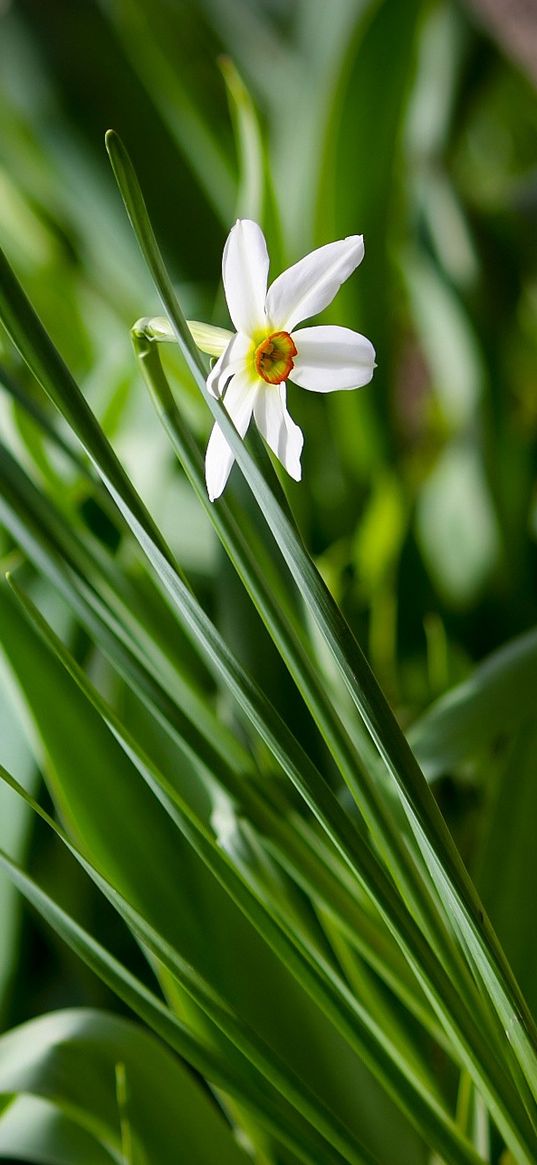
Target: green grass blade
{"points": [[41, 417], [29, 530], [282, 631]]}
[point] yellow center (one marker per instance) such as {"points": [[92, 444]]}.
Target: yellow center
{"points": [[274, 357]]}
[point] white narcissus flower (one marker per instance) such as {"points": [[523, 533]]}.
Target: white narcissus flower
{"points": [[267, 350]]}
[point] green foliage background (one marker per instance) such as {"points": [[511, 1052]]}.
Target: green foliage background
{"points": [[415, 124]]}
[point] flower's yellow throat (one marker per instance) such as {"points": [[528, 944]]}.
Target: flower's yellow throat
{"points": [[274, 357]]}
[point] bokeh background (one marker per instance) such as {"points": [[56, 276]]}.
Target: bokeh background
{"points": [[413, 122]]}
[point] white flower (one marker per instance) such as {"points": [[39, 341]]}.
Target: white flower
{"points": [[266, 350]]}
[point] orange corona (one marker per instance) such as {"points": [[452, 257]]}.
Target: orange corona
{"points": [[274, 357]]}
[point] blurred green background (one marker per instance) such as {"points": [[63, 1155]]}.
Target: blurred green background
{"points": [[414, 123]]}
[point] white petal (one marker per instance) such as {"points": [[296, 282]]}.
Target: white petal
{"points": [[245, 271], [279, 430], [239, 401], [232, 360], [311, 284], [330, 358]]}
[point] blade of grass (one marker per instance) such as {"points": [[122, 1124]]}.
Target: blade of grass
{"points": [[40, 416], [35, 1130]]}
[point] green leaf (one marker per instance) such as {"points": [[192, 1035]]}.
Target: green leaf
{"points": [[34, 536], [249, 143], [498, 696], [69, 1058], [230, 532], [93, 773], [14, 822], [36, 1130], [456, 525], [30, 335], [507, 862]]}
